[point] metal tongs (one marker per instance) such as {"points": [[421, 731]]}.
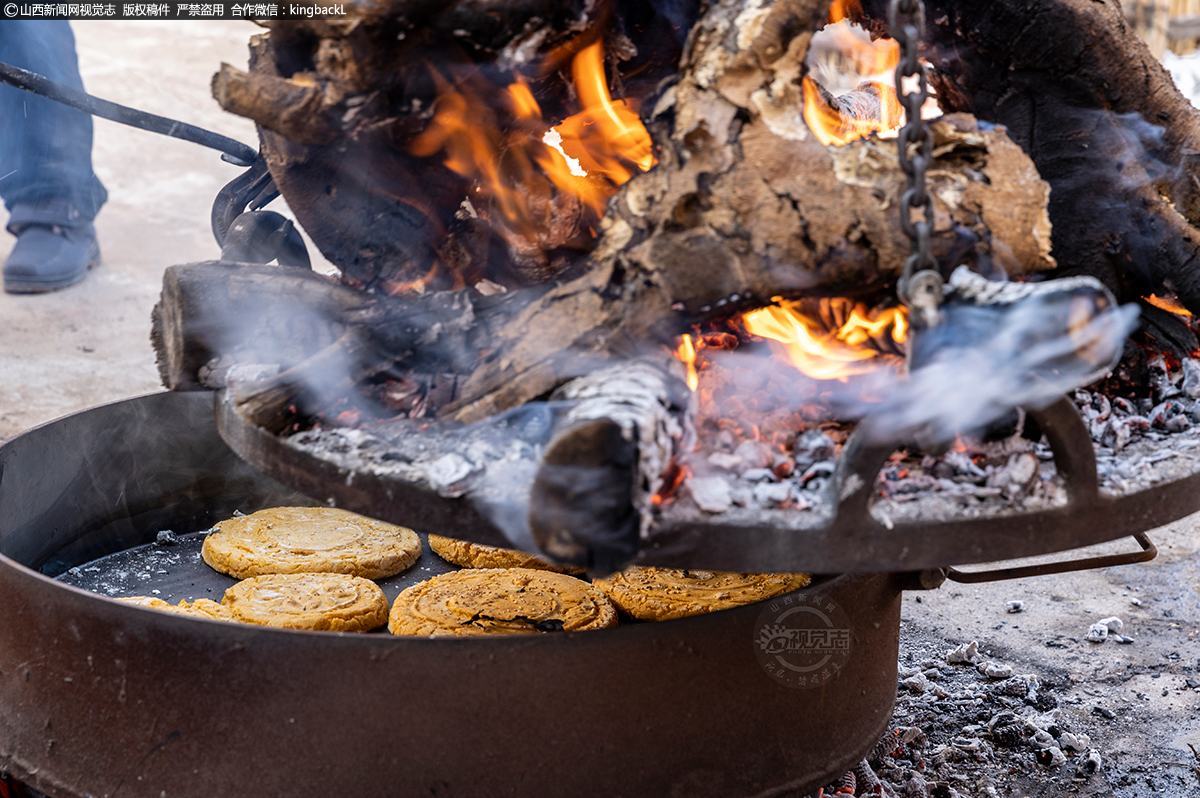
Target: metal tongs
{"points": [[245, 233]]}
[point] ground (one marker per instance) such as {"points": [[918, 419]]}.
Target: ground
{"points": [[89, 344]]}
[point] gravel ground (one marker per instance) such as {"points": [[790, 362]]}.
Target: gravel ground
{"points": [[1139, 703]]}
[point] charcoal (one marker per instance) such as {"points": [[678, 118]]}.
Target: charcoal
{"points": [[1117, 434], [771, 493], [1050, 757], [1123, 405], [825, 468], [1042, 739], [812, 447], [1090, 763], [1191, 378], [1017, 476], [967, 653], [725, 460], [754, 454], [1074, 741], [994, 670], [915, 786]]}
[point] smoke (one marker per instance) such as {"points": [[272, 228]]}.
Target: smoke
{"points": [[998, 346]]}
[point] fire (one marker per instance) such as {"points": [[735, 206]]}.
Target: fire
{"points": [[872, 106], [518, 166], [1168, 304], [687, 355], [834, 127], [868, 57], [607, 137], [850, 345]]}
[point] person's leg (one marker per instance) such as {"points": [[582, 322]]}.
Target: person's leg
{"points": [[46, 177]]}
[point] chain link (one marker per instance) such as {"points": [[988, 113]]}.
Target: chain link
{"points": [[920, 291]]}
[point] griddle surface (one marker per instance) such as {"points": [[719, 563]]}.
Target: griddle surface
{"points": [[176, 572]]}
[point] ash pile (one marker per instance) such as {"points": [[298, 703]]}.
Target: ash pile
{"points": [[966, 724]]}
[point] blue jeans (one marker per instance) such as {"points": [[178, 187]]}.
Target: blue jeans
{"points": [[45, 147]]}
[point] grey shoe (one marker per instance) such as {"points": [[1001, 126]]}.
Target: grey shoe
{"points": [[48, 257]]}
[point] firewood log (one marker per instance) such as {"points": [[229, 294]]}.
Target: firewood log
{"points": [[1102, 120]]}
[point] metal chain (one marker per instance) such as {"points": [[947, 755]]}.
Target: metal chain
{"points": [[920, 285]]}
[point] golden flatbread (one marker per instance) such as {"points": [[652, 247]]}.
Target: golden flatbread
{"points": [[477, 555], [325, 602], [204, 608], [660, 594], [480, 601], [292, 540]]}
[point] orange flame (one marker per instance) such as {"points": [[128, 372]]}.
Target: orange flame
{"points": [[834, 127], [686, 353], [875, 108], [825, 353], [607, 137], [514, 166]]}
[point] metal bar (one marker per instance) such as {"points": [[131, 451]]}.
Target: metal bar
{"points": [[235, 152], [1148, 552]]}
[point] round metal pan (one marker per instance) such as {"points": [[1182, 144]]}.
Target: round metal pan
{"points": [[99, 698], [849, 540]]}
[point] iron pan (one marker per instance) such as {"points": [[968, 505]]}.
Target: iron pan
{"points": [[99, 698], [850, 540]]}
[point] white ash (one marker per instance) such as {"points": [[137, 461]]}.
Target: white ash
{"points": [[1096, 633], [1142, 442], [995, 670], [1014, 606], [1113, 623], [967, 653], [975, 736]]}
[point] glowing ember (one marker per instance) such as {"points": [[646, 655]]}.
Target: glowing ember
{"points": [[687, 354], [826, 351], [1168, 304]]}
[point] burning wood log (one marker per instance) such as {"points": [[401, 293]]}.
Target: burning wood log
{"points": [[743, 205], [607, 460], [1102, 120], [736, 162]]}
